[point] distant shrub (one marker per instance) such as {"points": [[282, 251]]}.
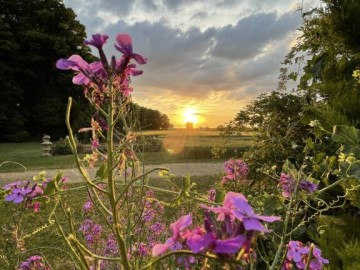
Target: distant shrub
{"points": [[149, 144], [19, 136], [206, 152], [61, 147]]}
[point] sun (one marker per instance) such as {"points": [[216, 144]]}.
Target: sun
{"points": [[190, 115]]}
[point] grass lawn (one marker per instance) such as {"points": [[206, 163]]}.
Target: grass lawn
{"points": [[30, 156], [178, 146]]}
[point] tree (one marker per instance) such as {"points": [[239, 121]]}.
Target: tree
{"points": [[149, 119], [330, 44], [34, 93], [276, 118]]}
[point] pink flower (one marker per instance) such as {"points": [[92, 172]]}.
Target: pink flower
{"points": [[235, 169], [95, 144], [36, 207], [176, 228], [97, 40], [236, 206], [124, 45], [84, 70]]}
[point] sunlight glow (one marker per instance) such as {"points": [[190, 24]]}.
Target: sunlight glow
{"points": [[190, 115]]}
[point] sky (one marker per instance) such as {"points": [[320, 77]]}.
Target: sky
{"points": [[207, 59]]}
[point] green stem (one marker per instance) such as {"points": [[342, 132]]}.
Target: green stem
{"points": [[72, 143], [307, 267], [82, 265], [284, 234], [111, 181], [126, 188]]}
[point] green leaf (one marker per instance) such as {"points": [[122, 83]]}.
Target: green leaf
{"points": [[354, 170], [102, 172], [53, 185], [187, 186], [290, 169], [349, 137], [309, 145], [293, 76]]}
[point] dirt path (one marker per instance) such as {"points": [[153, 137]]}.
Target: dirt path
{"points": [[178, 169]]}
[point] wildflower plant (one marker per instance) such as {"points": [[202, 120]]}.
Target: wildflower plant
{"points": [[123, 224]]}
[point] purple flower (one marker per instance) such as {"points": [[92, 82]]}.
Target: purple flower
{"points": [[298, 253], [76, 63], [308, 186], [295, 253], [236, 168], [199, 241], [34, 262], [16, 184], [318, 261], [287, 184], [212, 195], [111, 246], [124, 45], [84, 70], [176, 228], [87, 206], [17, 195], [91, 231], [97, 41]]}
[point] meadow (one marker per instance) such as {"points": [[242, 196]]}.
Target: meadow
{"points": [[177, 146]]}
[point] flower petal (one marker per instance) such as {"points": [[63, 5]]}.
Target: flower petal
{"points": [[160, 249], [139, 59], [197, 242], [231, 245], [124, 44], [253, 224], [180, 224]]}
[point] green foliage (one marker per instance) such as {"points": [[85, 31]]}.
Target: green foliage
{"points": [[330, 41], [184, 194], [349, 255], [61, 147], [349, 137], [332, 231], [149, 119], [280, 131], [34, 94]]}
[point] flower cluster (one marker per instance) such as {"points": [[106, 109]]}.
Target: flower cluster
{"points": [[298, 254], [96, 76], [288, 185], [152, 226], [28, 192], [233, 229], [34, 262], [235, 169], [91, 231], [22, 191]]}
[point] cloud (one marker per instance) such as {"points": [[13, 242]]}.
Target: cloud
{"points": [[200, 52], [175, 4], [251, 34], [194, 62]]}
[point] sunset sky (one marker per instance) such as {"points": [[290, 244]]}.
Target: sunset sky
{"points": [[207, 59]]}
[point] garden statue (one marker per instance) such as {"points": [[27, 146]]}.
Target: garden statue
{"points": [[46, 146]]}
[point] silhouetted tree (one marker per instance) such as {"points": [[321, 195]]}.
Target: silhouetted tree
{"points": [[34, 34]]}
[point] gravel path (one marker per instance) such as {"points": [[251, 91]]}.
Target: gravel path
{"points": [[179, 169]]}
